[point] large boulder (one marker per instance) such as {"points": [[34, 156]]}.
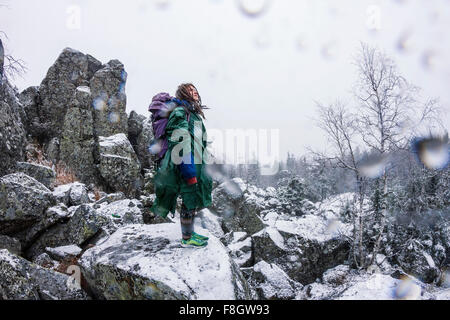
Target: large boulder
{"points": [[77, 143], [119, 165], [12, 130], [23, 202], [120, 213], [22, 280], [231, 200], [11, 244], [304, 247], [43, 174], [143, 144], [271, 282], [148, 262], [72, 69], [83, 225], [31, 100], [415, 260], [135, 125], [109, 99]]}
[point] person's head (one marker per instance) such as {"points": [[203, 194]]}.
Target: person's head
{"points": [[188, 92]]}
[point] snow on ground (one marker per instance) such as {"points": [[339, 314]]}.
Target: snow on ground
{"points": [[198, 273]]}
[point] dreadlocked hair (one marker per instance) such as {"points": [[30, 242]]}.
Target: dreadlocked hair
{"points": [[183, 94]]}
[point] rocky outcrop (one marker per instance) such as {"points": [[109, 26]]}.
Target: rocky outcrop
{"points": [[43, 174], [230, 201], [109, 99], [304, 247], [119, 165], [71, 70], [147, 262], [12, 130], [23, 201], [143, 144], [271, 282], [135, 125], [83, 225], [22, 280], [11, 244], [77, 141]]}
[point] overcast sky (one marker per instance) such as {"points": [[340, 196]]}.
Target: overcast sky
{"points": [[256, 69]]}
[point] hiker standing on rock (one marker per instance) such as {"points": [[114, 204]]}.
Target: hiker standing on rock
{"points": [[180, 140]]}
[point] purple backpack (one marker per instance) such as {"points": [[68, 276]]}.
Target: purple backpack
{"points": [[160, 108]]}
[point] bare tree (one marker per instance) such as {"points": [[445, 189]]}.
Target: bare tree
{"points": [[388, 104], [340, 127], [9, 65]]}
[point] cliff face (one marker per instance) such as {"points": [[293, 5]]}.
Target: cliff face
{"points": [[80, 102]]}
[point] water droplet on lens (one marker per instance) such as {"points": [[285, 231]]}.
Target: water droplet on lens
{"points": [[99, 103], [155, 147], [162, 4], [404, 42], [329, 50], [432, 152], [428, 59], [253, 8], [114, 117], [407, 289], [300, 42], [372, 166]]}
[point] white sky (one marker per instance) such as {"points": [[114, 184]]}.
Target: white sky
{"points": [[263, 72]]}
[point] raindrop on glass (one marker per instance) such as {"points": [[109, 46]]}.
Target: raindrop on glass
{"points": [[253, 8], [407, 289], [404, 42], [432, 152], [329, 50], [114, 117], [162, 4], [99, 103], [155, 147], [372, 166], [300, 42], [428, 59]]}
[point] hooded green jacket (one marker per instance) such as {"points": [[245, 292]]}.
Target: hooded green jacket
{"points": [[168, 180]]}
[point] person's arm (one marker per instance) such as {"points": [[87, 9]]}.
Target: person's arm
{"points": [[177, 121]]}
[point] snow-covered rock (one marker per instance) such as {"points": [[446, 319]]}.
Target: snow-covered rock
{"points": [[82, 226], [148, 262], [23, 202], [72, 194], [64, 252], [22, 280], [43, 174], [120, 213], [11, 244], [241, 250], [238, 207], [271, 282], [119, 165], [207, 220], [304, 247]]}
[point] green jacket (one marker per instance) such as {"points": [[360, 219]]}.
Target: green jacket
{"points": [[168, 181]]}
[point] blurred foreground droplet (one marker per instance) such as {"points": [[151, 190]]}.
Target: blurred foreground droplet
{"points": [[253, 8], [428, 59], [155, 147], [114, 117], [404, 42], [407, 289], [372, 166], [99, 102], [432, 152], [162, 4], [329, 50]]}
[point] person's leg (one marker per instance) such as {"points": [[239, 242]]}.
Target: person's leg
{"points": [[187, 222]]}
